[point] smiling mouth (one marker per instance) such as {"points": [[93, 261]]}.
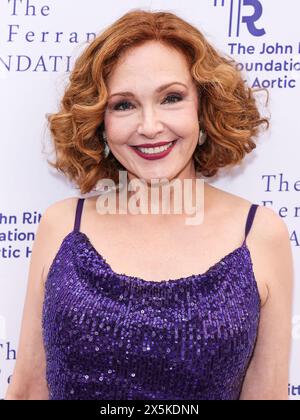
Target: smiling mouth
{"points": [[154, 153], [152, 150]]}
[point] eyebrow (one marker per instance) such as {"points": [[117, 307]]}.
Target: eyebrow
{"points": [[158, 90]]}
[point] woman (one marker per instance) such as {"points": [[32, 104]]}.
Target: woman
{"points": [[99, 322]]}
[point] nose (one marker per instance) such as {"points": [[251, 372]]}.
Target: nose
{"points": [[150, 125]]}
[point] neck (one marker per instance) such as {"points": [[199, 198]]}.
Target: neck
{"points": [[180, 196]]}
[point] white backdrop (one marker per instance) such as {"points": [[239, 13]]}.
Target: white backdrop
{"points": [[262, 35]]}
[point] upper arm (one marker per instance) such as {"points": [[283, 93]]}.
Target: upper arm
{"points": [[268, 373], [29, 376]]}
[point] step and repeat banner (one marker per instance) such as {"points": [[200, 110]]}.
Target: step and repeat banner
{"points": [[39, 42]]}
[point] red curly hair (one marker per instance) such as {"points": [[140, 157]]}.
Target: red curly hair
{"points": [[228, 111]]}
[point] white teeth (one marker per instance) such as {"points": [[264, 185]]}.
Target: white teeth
{"points": [[153, 150]]}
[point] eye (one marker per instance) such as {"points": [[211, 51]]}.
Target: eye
{"points": [[177, 97], [172, 98], [117, 107]]}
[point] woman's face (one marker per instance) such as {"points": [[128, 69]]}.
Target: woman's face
{"points": [[138, 112]]}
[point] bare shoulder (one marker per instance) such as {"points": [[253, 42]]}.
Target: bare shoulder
{"points": [[59, 211], [56, 223], [273, 236], [270, 225], [267, 223], [272, 251], [226, 202], [58, 219]]}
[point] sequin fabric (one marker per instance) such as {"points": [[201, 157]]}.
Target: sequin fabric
{"points": [[111, 336]]}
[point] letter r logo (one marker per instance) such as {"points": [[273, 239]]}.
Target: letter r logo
{"points": [[239, 14], [250, 20]]}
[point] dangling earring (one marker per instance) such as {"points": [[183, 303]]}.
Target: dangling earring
{"points": [[106, 148], [202, 137]]}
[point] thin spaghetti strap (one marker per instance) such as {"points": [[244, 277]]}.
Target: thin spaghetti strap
{"points": [[78, 214], [250, 219]]}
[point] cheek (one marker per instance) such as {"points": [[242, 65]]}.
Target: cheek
{"points": [[187, 122], [118, 130], [117, 135], [189, 132]]}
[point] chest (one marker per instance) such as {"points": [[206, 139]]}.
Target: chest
{"points": [[154, 251]]}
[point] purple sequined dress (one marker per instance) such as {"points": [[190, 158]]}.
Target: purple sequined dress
{"points": [[111, 336]]}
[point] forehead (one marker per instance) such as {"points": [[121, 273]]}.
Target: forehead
{"points": [[147, 63]]}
